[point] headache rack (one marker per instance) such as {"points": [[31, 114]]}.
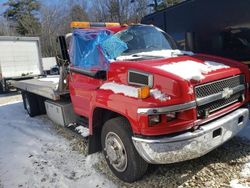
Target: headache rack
{"points": [[213, 96]]}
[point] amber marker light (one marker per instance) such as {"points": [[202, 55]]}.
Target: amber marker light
{"points": [[82, 25], [143, 92]]}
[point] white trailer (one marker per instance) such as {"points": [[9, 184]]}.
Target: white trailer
{"points": [[20, 58]]}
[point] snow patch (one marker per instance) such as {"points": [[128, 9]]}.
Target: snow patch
{"points": [[235, 184], [157, 94], [121, 88], [131, 91], [191, 70], [82, 130], [243, 182], [245, 173], [156, 53]]}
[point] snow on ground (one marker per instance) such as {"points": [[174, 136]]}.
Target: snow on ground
{"points": [[83, 131], [245, 172], [33, 155], [192, 70]]}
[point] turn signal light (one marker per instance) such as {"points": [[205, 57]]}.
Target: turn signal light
{"points": [[143, 92]]}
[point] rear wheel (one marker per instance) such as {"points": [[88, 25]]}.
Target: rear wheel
{"points": [[41, 104], [1, 88], [31, 105], [119, 150]]}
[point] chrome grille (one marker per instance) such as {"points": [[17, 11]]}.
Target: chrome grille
{"points": [[217, 105], [217, 87]]}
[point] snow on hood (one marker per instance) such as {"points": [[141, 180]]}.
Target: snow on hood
{"points": [[131, 91], [156, 53], [192, 70]]}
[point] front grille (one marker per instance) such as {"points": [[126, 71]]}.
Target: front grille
{"points": [[217, 87], [217, 105]]}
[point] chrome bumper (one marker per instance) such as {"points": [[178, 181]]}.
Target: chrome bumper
{"points": [[194, 144]]}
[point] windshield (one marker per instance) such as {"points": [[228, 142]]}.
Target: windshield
{"points": [[141, 38]]}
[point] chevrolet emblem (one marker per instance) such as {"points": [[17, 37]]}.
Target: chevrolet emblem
{"points": [[227, 93]]}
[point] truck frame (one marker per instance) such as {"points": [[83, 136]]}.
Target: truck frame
{"points": [[148, 106]]}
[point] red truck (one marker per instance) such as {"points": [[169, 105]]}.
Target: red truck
{"points": [[151, 103]]}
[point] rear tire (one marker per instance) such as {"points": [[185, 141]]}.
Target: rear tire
{"points": [[24, 101], [41, 104], [119, 150], [1, 88], [31, 105]]}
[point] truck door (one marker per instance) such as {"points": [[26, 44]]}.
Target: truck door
{"points": [[82, 85]]}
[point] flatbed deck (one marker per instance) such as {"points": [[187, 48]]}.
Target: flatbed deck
{"points": [[46, 87]]}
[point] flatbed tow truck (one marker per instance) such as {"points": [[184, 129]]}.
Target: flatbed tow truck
{"points": [[140, 99]]}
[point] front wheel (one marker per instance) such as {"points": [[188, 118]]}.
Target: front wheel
{"points": [[119, 150]]}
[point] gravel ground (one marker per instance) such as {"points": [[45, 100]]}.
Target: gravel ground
{"points": [[216, 169]]}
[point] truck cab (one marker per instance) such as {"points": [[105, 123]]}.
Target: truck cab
{"points": [[144, 101]]}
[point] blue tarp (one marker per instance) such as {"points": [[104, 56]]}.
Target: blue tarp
{"points": [[92, 49]]}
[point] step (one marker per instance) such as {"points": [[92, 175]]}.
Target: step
{"points": [[80, 129]]}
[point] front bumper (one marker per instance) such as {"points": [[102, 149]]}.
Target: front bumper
{"points": [[194, 144]]}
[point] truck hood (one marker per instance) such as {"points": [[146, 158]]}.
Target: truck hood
{"points": [[195, 69]]}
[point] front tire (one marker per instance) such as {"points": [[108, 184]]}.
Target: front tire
{"points": [[119, 150]]}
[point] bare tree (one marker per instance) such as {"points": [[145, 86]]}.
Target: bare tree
{"points": [[122, 11], [6, 28], [52, 24], [139, 9], [55, 21]]}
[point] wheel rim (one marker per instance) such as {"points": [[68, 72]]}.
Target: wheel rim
{"points": [[116, 152], [27, 104]]}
